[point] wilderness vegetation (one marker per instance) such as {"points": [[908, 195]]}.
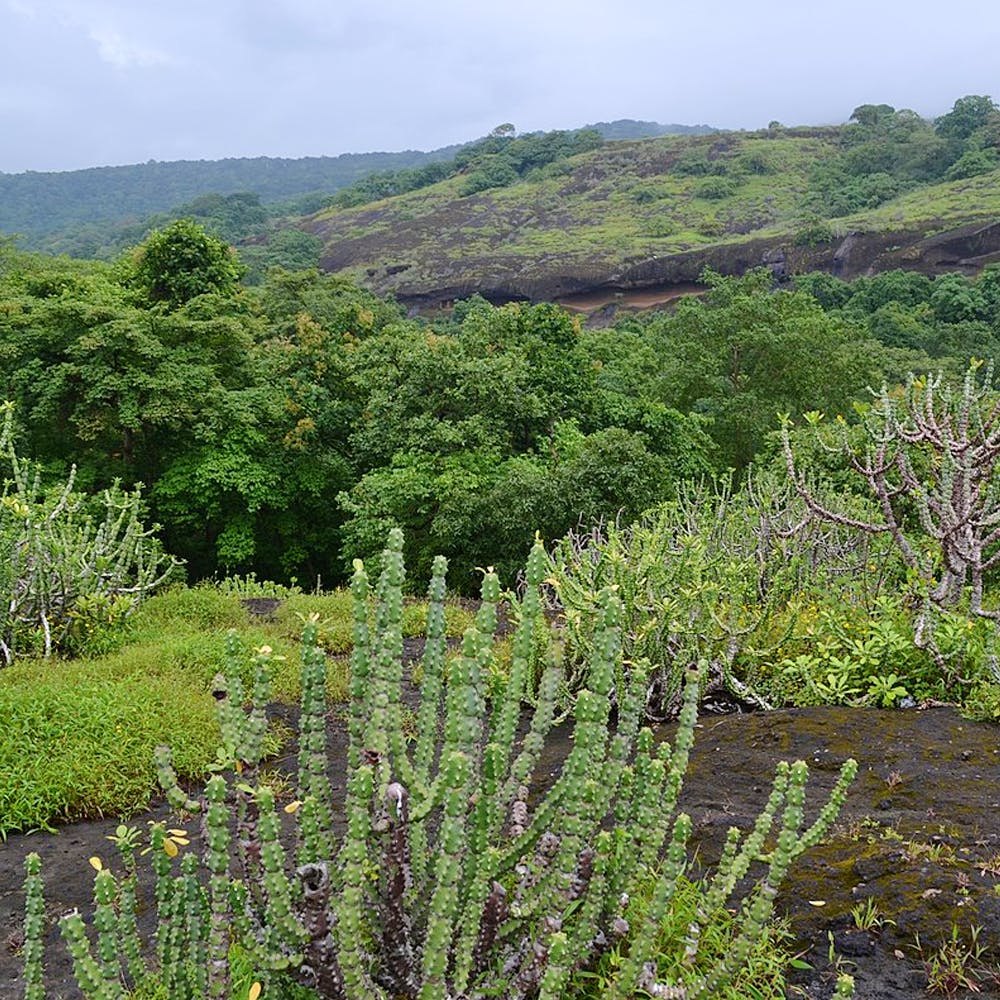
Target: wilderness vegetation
{"points": [[624, 213], [593, 198], [100, 211], [43, 206], [716, 486]]}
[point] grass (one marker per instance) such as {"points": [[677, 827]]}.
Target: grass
{"points": [[762, 976], [78, 739], [78, 735], [599, 205]]}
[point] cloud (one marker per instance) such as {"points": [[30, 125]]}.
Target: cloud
{"points": [[101, 24], [123, 53], [307, 77]]}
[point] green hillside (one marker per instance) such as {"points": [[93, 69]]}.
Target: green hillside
{"points": [[633, 214], [98, 211]]}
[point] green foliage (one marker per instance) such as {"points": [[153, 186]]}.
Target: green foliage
{"points": [[741, 354], [715, 188], [968, 114], [951, 317], [928, 451], [927, 455], [814, 233], [69, 577], [105, 711], [855, 656], [495, 172], [477, 507], [285, 426], [447, 879], [289, 249], [973, 163], [79, 204], [786, 609], [77, 739], [497, 160], [715, 575], [762, 977], [182, 261]]}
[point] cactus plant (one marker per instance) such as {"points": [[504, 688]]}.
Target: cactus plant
{"points": [[449, 879]]}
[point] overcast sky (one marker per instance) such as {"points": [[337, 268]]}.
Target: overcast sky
{"points": [[96, 82]]}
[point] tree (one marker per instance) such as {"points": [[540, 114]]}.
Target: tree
{"points": [[930, 456], [181, 261], [967, 114], [743, 353], [873, 115], [973, 163]]}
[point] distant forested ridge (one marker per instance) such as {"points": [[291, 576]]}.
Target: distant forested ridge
{"points": [[87, 213], [36, 204], [629, 128]]}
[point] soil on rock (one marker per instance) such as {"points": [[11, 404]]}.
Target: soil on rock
{"points": [[920, 837]]}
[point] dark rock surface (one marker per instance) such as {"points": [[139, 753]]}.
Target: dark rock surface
{"points": [[919, 837], [503, 277]]}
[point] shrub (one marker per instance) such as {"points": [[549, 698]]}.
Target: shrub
{"points": [[928, 456], [813, 233], [708, 576], [449, 879], [973, 163], [715, 188], [68, 579]]}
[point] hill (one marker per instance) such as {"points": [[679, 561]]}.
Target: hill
{"points": [[97, 211], [38, 204], [881, 191]]}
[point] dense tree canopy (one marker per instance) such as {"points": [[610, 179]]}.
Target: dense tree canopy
{"points": [[180, 262], [283, 427]]}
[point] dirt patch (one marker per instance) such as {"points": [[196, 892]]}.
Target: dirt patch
{"points": [[920, 837], [634, 299]]}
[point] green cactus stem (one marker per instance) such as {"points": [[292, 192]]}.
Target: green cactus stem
{"points": [[86, 969], [34, 928]]}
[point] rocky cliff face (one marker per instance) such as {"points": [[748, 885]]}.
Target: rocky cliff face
{"points": [[432, 284]]}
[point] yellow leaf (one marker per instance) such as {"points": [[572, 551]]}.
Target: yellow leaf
{"points": [[96, 863], [817, 902], [254, 992], [293, 806], [170, 848], [181, 840], [177, 833]]}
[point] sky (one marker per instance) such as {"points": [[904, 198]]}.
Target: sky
{"points": [[88, 83]]}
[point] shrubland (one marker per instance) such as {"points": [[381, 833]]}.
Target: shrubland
{"points": [[627, 215], [448, 879], [278, 431]]}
